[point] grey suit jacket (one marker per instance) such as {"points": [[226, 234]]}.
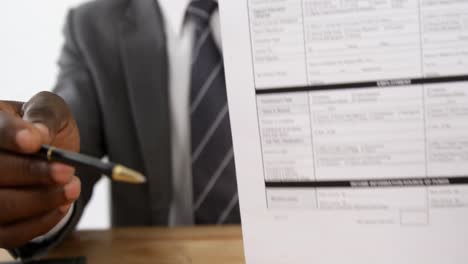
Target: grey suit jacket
{"points": [[114, 76]]}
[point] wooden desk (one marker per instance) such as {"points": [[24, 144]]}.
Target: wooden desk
{"points": [[203, 245]]}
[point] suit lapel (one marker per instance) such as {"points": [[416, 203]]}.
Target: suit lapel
{"points": [[144, 55]]}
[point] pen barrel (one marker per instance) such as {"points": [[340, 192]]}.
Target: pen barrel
{"points": [[76, 160]]}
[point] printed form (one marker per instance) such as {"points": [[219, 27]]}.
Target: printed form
{"points": [[350, 128]]}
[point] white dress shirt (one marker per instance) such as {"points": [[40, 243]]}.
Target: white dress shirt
{"points": [[179, 35]]}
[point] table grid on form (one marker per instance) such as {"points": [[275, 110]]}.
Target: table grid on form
{"points": [[317, 128]]}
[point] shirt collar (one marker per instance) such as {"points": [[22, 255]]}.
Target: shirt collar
{"points": [[174, 13]]}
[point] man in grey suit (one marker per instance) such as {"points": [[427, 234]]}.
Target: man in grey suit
{"points": [[124, 68]]}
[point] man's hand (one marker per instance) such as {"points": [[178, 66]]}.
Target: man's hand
{"points": [[34, 195]]}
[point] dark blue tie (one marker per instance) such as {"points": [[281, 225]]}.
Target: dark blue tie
{"points": [[213, 169]]}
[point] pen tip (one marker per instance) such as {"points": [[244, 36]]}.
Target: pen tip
{"points": [[124, 174]]}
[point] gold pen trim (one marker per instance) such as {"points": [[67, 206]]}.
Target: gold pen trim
{"points": [[50, 151], [124, 174]]}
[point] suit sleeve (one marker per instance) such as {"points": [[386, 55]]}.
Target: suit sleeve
{"points": [[76, 86]]}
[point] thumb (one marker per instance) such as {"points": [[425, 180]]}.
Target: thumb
{"points": [[44, 131], [48, 112]]}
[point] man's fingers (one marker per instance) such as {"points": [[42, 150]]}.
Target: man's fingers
{"points": [[11, 107], [45, 119], [17, 171], [18, 204], [49, 112], [18, 234], [17, 135]]}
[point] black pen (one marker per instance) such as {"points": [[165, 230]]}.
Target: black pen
{"points": [[115, 171]]}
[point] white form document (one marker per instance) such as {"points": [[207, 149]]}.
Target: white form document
{"points": [[350, 129]]}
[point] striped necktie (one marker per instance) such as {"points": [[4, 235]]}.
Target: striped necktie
{"points": [[214, 177]]}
